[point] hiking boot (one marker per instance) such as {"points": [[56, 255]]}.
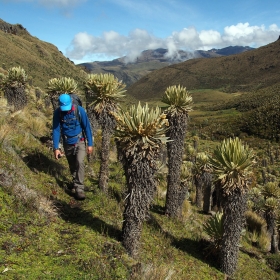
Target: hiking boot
{"points": [[70, 186], [79, 195]]}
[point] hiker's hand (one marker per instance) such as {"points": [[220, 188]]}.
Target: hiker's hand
{"points": [[57, 154], [89, 149]]}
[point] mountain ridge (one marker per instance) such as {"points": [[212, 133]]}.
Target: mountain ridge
{"points": [[245, 71], [149, 60]]}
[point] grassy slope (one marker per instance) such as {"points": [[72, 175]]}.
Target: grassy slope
{"points": [[81, 240], [40, 60]]}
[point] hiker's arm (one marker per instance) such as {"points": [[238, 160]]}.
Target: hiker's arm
{"points": [[56, 134], [86, 127]]}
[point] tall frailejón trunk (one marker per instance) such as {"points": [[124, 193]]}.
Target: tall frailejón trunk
{"points": [[270, 218], [104, 161], [207, 197], [234, 207], [175, 149], [108, 125], [16, 96], [199, 184], [141, 185]]}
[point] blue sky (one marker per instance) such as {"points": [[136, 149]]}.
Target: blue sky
{"points": [[97, 30]]}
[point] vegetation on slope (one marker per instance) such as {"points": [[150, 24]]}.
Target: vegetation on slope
{"points": [[41, 60], [44, 233], [70, 239]]}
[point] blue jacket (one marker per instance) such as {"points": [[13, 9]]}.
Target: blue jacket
{"points": [[68, 125]]}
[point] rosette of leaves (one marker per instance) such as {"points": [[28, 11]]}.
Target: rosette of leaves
{"points": [[186, 171], [271, 204], [103, 90], [214, 229], [57, 86], [178, 99], [256, 198], [202, 162], [13, 85], [16, 77], [271, 189], [231, 162], [142, 127]]}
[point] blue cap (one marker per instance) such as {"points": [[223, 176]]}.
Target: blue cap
{"points": [[65, 102]]}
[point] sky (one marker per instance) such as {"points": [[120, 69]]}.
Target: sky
{"points": [[102, 30]]}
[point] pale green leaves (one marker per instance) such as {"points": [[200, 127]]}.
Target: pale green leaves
{"points": [[186, 168], [62, 85], [201, 163], [142, 124], [201, 158], [103, 89], [178, 99], [231, 161], [271, 189], [214, 228], [16, 77], [271, 204]]}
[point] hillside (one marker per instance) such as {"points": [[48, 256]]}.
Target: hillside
{"points": [[150, 60], [40, 60], [46, 234], [246, 71]]}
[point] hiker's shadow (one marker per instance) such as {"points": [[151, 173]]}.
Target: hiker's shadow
{"points": [[74, 213], [39, 162]]}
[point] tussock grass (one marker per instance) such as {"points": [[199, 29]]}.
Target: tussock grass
{"points": [[255, 222], [6, 132]]}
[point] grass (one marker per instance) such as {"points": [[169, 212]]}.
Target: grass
{"points": [[46, 234], [82, 240]]}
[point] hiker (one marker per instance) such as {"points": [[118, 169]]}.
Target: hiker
{"points": [[71, 122]]}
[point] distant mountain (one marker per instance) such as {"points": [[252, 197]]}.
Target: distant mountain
{"points": [[222, 52], [150, 60], [246, 71]]}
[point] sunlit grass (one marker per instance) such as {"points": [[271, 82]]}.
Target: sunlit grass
{"points": [[46, 234]]}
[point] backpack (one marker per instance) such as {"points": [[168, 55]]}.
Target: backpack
{"points": [[76, 101]]}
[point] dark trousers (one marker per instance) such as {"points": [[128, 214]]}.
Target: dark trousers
{"points": [[76, 163]]}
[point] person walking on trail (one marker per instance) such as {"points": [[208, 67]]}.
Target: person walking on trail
{"points": [[71, 122]]}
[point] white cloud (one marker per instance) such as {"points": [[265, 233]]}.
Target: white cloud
{"points": [[244, 34], [112, 44]]}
